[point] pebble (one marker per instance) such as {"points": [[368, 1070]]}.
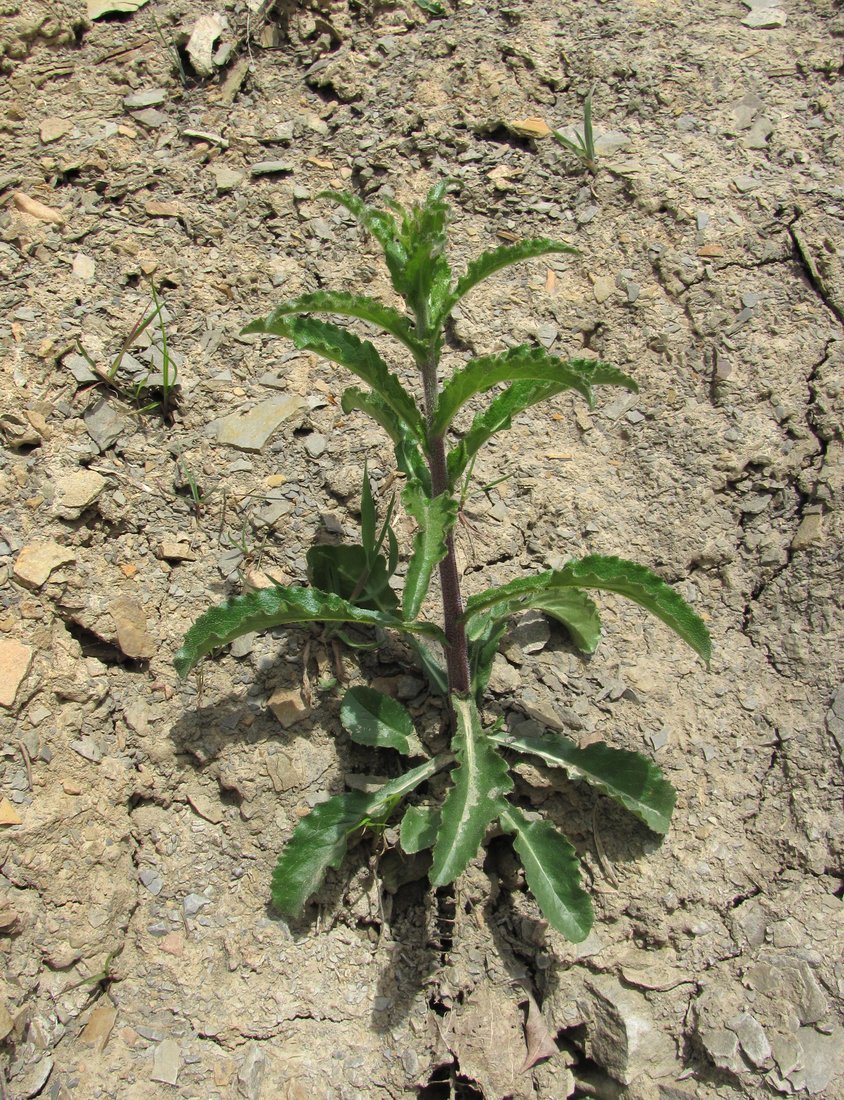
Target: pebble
{"points": [[315, 444], [15, 659], [226, 179], [165, 1062], [151, 879], [603, 287], [809, 532], [88, 749], [288, 706], [745, 183], [37, 560], [104, 423], [752, 1038], [52, 129], [174, 551], [152, 119], [76, 492], [270, 168], [764, 15], [249, 431], [193, 903], [152, 97], [130, 623]]}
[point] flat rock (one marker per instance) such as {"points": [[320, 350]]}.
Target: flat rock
{"points": [[130, 622], [84, 267], [603, 288], [249, 431], [270, 168], [53, 129], [622, 1035], [8, 814], [99, 1026], [174, 551], [76, 492], [288, 706], [823, 1058], [37, 561], [15, 659], [227, 179], [105, 423], [150, 97], [166, 1062], [200, 48]]}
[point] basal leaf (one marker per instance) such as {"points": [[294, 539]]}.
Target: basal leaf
{"points": [[479, 783], [347, 571], [418, 829], [525, 363], [435, 519], [552, 871], [320, 840], [409, 458], [372, 718], [270, 607], [356, 355], [347, 305], [496, 259], [612, 575], [628, 777]]}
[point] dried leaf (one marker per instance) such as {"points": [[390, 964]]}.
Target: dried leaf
{"points": [[538, 1039]]}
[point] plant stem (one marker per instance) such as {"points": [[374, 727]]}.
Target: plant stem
{"points": [[457, 648]]}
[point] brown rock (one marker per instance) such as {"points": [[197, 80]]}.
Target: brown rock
{"points": [[131, 625], [8, 814], [78, 491], [288, 706], [15, 659], [37, 561], [100, 1023]]}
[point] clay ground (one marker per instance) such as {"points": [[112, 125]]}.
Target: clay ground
{"points": [[140, 818]]}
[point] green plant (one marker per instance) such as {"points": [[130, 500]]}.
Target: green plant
{"points": [[350, 584], [582, 144]]}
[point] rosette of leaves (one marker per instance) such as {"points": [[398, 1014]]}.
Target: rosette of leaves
{"points": [[350, 585]]}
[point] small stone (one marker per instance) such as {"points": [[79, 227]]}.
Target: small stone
{"points": [[165, 1062], [633, 292], [52, 129], [823, 1058], [99, 1026], [622, 1034], [15, 659], [88, 749], [205, 807], [37, 561], [532, 632], [504, 679], [288, 706], [752, 1038], [200, 47], [722, 1047], [193, 903], [250, 1076], [226, 179], [271, 168], [603, 287], [315, 444], [104, 423], [760, 132], [249, 431], [765, 18], [151, 879], [150, 97], [745, 183], [80, 368], [152, 119], [809, 532], [130, 623], [76, 492], [546, 334], [174, 551], [84, 267], [8, 814]]}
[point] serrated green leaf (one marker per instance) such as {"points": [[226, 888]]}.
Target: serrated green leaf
{"points": [[432, 7], [386, 318], [497, 258], [483, 647], [552, 871], [525, 363], [611, 575], [419, 828], [381, 225], [435, 519], [346, 571], [372, 718], [628, 777], [280, 606], [570, 606], [409, 458], [349, 351], [320, 840], [479, 783]]}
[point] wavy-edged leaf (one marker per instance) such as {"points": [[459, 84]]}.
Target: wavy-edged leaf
{"points": [[279, 606], [476, 798], [437, 675], [628, 777], [418, 829], [320, 840], [356, 355], [347, 571], [435, 519], [483, 646], [569, 606], [610, 574], [552, 871], [372, 718], [525, 363], [347, 305], [496, 259], [381, 225], [496, 418], [409, 458]]}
